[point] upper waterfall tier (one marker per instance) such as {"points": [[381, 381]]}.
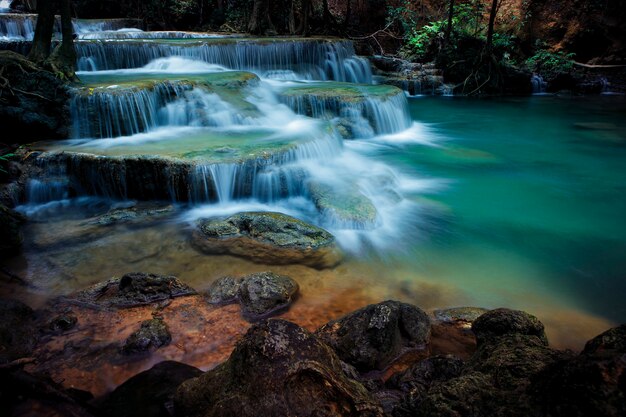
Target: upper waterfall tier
{"points": [[310, 58], [21, 27]]}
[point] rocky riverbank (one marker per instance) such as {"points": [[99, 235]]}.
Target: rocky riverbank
{"points": [[133, 345]]}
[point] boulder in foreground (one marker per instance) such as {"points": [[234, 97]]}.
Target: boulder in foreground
{"points": [[277, 369], [372, 337]]}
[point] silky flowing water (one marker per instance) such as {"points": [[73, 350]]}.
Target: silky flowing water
{"points": [[494, 203]]}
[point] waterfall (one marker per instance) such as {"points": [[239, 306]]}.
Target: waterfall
{"points": [[17, 27], [105, 26], [310, 59], [107, 113], [177, 116], [368, 116], [538, 84], [21, 27]]}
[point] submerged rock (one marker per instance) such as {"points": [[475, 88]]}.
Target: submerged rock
{"points": [[277, 369], [370, 338], [265, 293], [223, 290], [149, 393], [266, 237], [18, 334], [152, 335], [343, 207], [459, 315], [10, 233], [131, 290], [503, 321], [62, 323], [131, 215]]}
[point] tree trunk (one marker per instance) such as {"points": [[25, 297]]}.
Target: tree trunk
{"points": [[492, 20], [43, 32], [327, 16], [303, 28], [449, 28], [63, 59], [260, 21], [292, 18]]}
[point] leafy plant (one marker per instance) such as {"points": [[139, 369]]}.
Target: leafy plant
{"points": [[5, 158], [550, 64]]}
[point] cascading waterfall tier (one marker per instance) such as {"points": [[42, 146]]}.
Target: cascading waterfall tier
{"points": [[21, 27], [199, 167], [17, 27], [362, 110], [140, 103], [315, 59]]}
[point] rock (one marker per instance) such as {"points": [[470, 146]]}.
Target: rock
{"points": [[18, 334], [33, 101], [272, 238], [25, 394], [591, 384], [131, 290], [502, 321], [276, 369], [149, 393], [415, 382], [131, 215], [471, 394], [223, 290], [426, 372], [611, 341], [265, 293], [10, 233], [11, 194], [495, 381], [152, 335], [62, 323], [513, 359], [347, 206], [459, 315], [372, 337]]}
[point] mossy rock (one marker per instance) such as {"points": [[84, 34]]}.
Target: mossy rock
{"points": [[266, 237], [131, 290], [277, 369], [10, 231], [343, 206], [343, 92]]}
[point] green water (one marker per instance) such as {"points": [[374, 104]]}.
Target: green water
{"points": [[534, 207]]}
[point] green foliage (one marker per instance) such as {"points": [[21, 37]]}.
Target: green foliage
{"points": [[404, 15], [425, 42], [4, 159], [550, 64]]}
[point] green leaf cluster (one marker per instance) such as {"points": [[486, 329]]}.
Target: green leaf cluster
{"points": [[5, 158], [549, 64]]}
